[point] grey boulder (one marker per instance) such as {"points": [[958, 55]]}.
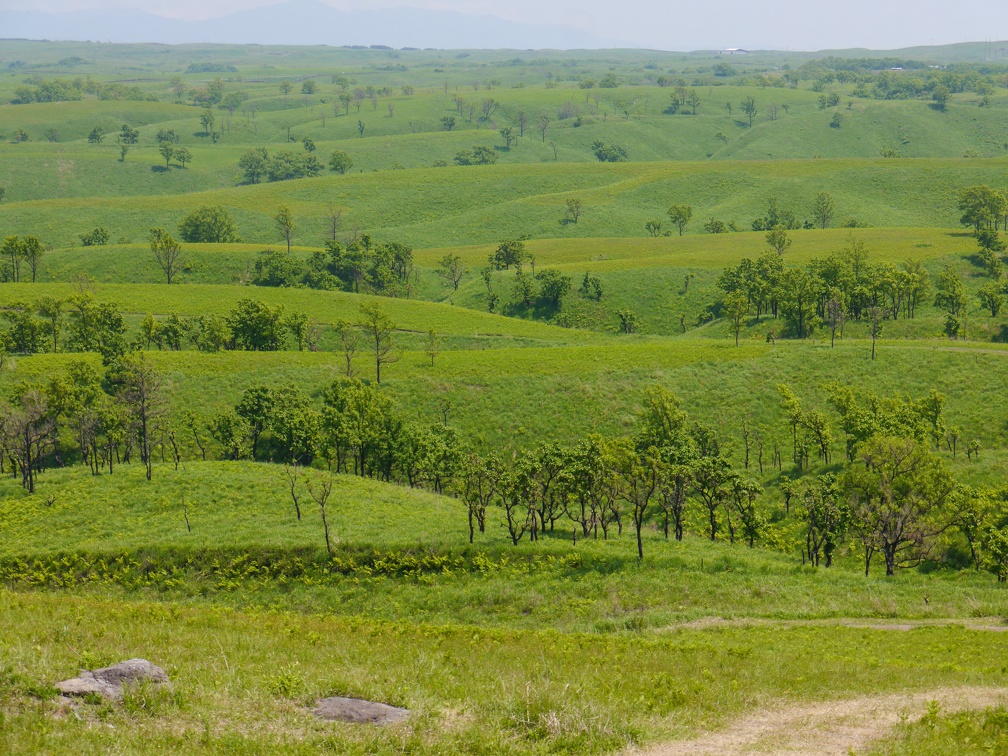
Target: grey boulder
{"points": [[357, 711], [110, 681]]}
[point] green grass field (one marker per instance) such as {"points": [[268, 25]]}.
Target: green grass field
{"points": [[566, 645]]}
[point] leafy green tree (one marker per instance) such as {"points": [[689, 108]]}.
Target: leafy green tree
{"points": [[255, 408], [899, 494], [209, 224], [276, 269], [140, 387], [940, 95], [653, 227], [591, 286], [96, 327], [207, 120], [875, 318], [213, 333], [711, 478], [750, 109], [835, 313], [693, 100], [51, 310], [232, 432], [297, 326], [253, 164], [509, 136], [639, 479], [989, 240], [823, 208], [285, 222], [167, 252], [30, 428], [128, 135], [293, 425], [799, 294], [14, 250], [742, 500], [96, 135], [450, 268], [627, 320], [736, 307], [991, 262], [826, 517], [680, 215], [982, 207], [340, 162], [286, 165], [992, 297], [951, 293], [509, 252], [166, 136], [26, 334], [608, 153], [183, 155], [480, 155], [432, 347], [777, 237], [256, 327], [480, 481], [98, 237], [524, 289], [379, 329], [231, 102], [553, 285]]}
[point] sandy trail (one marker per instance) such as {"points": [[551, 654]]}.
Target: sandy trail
{"points": [[829, 728], [865, 623]]}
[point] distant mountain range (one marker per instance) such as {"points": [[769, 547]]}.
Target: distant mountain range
{"points": [[302, 22]]}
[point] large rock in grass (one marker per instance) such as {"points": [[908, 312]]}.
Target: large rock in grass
{"points": [[357, 711], [110, 681]]}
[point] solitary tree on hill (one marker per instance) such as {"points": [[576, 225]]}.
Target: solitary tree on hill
{"points": [[285, 222]]}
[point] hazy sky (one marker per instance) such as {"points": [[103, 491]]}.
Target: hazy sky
{"points": [[776, 24]]}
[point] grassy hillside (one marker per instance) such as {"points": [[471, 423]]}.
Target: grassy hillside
{"points": [[568, 644], [482, 204]]}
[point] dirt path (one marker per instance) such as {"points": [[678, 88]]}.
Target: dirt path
{"points": [[867, 623], [829, 728]]}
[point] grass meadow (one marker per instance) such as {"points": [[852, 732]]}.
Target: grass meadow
{"points": [[567, 645]]}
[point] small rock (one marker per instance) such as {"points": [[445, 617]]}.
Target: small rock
{"points": [[109, 681], [358, 711]]}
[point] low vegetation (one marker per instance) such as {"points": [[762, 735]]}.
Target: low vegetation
{"points": [[677, 372]]}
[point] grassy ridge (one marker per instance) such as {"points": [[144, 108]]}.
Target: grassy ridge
{"points": [[241, 514], [505, 399], [230, 263], [321, 306], [481, 205]]}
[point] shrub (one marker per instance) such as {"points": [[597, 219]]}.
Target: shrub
{"points": [[97, 238], [209, 224]]}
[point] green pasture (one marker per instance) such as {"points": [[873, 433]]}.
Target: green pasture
{"points": [[244, 682], [504, 399], [567, 645], [457, 206], [227, 533]]}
